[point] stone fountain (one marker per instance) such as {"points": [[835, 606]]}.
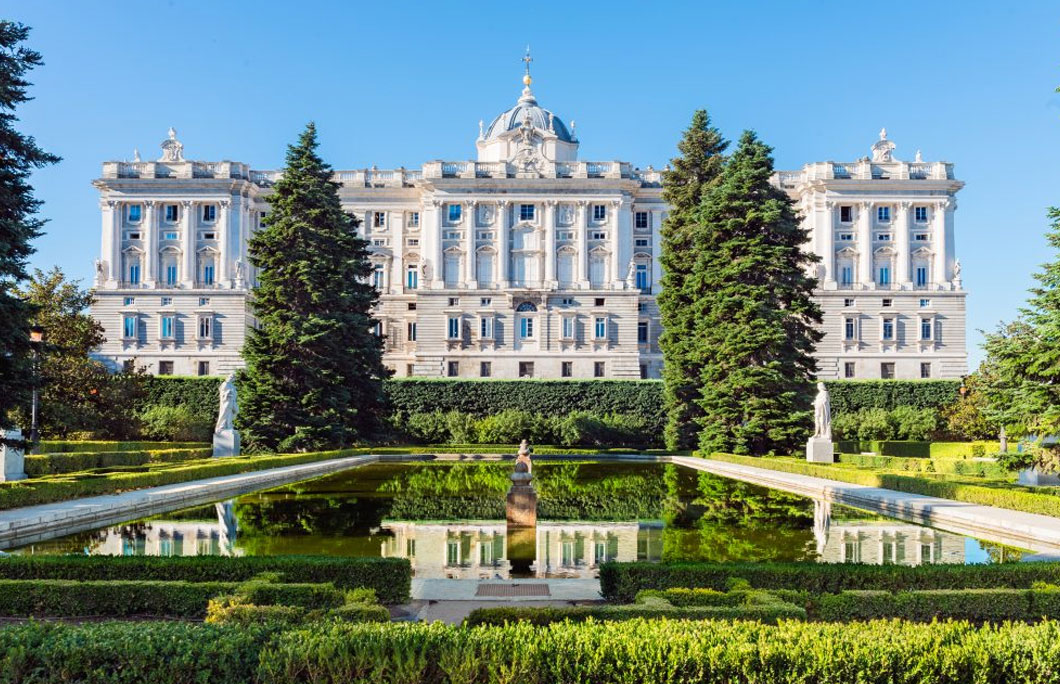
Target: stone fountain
{"points": [[522, 513]]}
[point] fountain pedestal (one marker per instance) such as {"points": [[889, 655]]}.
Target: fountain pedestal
{"points": [[522, 514]]}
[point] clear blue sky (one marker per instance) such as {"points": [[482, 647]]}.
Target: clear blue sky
{"points": [[391, 84]]}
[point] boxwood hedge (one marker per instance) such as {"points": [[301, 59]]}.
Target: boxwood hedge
{"points": [[74, 461], [976, 605]]}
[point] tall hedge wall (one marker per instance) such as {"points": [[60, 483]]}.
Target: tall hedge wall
{"points": [[849, 396]]}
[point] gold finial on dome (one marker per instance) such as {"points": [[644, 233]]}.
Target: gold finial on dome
{"points": [[527, 59]]}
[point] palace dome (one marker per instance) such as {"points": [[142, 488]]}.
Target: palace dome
{"points": [[540, 117]]}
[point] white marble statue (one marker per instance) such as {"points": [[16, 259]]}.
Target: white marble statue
{"points": [[822, 414], [227, 409]]}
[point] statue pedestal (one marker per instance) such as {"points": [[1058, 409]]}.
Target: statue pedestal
{"points": [[522, 505], [12, 459], [225, 443], [820, 450]]}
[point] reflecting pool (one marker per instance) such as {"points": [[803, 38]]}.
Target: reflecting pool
{"points": [[449, 520]]}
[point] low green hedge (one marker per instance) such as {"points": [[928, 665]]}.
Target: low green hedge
{"points": [[1002, 495], [391, 578], [71, 486], [649, 608], [717, 652], [69, 598], [911, 449], [66, 446], [74, 461], [976, 605], [950, 466], [620, 582]]}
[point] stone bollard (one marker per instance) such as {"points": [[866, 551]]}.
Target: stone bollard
{"points": [[13, 458]]}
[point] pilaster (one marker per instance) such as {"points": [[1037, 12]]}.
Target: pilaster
{"points": [[825, 230], [902, 246], [471, 209], [582, 227], [550, 244], [865, 244], [150, 234], [187, 243], [503, 245], [223, 242]]}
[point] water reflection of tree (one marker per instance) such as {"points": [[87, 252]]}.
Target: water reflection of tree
{"points": [[999, 553]]}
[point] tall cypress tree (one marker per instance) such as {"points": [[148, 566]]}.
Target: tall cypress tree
{"points": [[754, 316], [684, 186], [314, 367], [19, 225]]}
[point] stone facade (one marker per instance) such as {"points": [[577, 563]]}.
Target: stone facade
{"points": [[523, 263]]}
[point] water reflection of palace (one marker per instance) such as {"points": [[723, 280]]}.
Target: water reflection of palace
{"points": [[479, 550], [882, 542]]}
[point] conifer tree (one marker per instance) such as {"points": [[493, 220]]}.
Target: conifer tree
{"points": [[754, 316], [19, 225], [314, 370], [684, 185]]}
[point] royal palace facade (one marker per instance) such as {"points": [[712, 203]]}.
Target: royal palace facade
{"points": [[526, 262]]}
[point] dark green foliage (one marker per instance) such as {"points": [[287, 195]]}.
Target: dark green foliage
{"points": [[754, 317], [176, 423], [766, 612], [51, 464], [198, 394], [620, 582], [223, 611], [314, 367], [68, 598], [851, 396], [19, 225], [389, 577], [361, 612], [975, 605], [63, 447], [693, 172]]}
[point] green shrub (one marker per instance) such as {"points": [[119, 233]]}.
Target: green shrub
{"points": [[620, 582], [510, 426], [177, 423], [767, 612], [914, 423], [851, 396], [428, 428], [70, 462], [952, 466], [976, 605], [65, 446], [309, 596], [361, 612], [68, 598], [688, 598], [362, 595], [226, 611], [875, 423], [461, 427], [389, 577]]}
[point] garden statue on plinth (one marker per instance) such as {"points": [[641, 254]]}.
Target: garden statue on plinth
{"points": [[819, 447], [225, 436], [522, 514], [12, 456]]}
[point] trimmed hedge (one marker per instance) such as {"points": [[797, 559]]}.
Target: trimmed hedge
{"points": [[950, 466], [75, 461], [70, 598], [620, 582], [976, 605], [910, 449], [71, 486], [1000, 494], [850, 396], [391, 578], [714, 652], [67, 446]]}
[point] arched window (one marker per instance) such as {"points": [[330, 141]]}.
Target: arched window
{"points": [[526, 307]]}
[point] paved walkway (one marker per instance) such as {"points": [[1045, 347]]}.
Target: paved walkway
{"points": [[20, 526], [1024, 530]]}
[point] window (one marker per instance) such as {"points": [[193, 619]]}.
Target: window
{"points": [[207, 274], [526, 327], [204, 301], [885, 275], [165, 368], [171, 235], [598, 235], [167, 301], [526, 369], [566, 369], [565, 235], [452, 235], [410, 369], [204, 368], [598, 301], [567, 301], [377, 276], [134, 213], [642, 242], [128, 366], [379, 219], [414, 219], [485, 235], [485, 327], [129, 327], [413, 242], [209, 213], [454, 327], [455, 212], [261, 219], [485, 301], [640, 220], [412, 277], [887, 332], [600, 328], [454, 301], [599, 212], [920, 237], [485, 369], [134, 272], [925, 303], [377, 328], [887, 371], [643, 371], [920, 214], [209, 236], [452, 553], [453, 369], [926, 328], [887, 302], [848, 302], [411, 306], [172, 213], [850, 329], [599, 369], [642, 278], [165, 328], [846, 214], [205, 327], [171, 273], [884, 237], [128, 301], [412, 331], [134, 236], [846, 237], [379, 242], [846, 275], [921, 276], [925, 370], [848, 369], [568, 327], [883, 214], [526, 212], [642, 332]]}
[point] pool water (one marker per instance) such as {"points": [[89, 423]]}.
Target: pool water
{"points": [[448, 519]]}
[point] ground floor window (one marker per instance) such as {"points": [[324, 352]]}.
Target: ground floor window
{"points": [[643, 371], [454, 369], [526, 369], [485, 369], [887, 371], [599, 369], [925, 370], [204, 367], [165, 368], [848, 369], [566, 369]]}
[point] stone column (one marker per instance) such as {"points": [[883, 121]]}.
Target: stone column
{"points": [[940, 267], [187, 243], [865, 276], [902, 246], [110, 250], [469, 245], [396, 266], [617, 274], [502, 245], [826, 242], [656, 251], [550, 245], [437, 251], [150, 231], [223, 242], [582, 226]]}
